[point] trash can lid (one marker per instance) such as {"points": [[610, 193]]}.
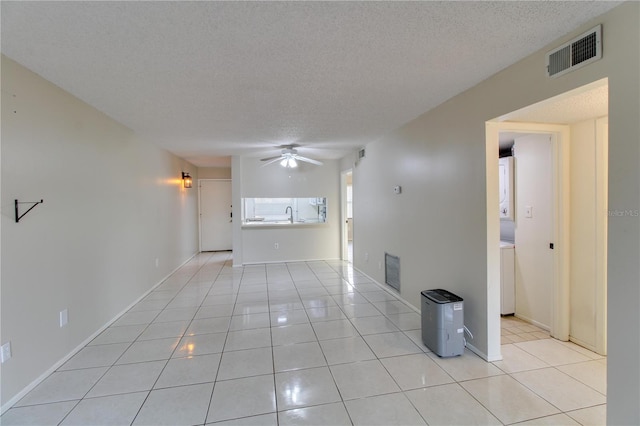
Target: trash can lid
{"points": [[441, 296]]}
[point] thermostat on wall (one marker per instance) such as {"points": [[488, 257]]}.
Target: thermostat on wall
{"points": [[397, 189]]}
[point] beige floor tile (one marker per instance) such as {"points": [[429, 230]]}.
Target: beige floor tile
{"points": [[508, 400], [328, 414], [415, 371], [555, 420], [323, 319], [440, 405], [528, 328], [591, 416], [300, 355], [383, 410], [189, 371], [246, 363], [349, 349], [182, 405], [517, 338], [63, 386], [561, 390], [37, 414], [515, 359], [467, 366], [391, 344], [108, 410], [505, 340], [552, 352], [363, 379], [591, 373], [584, 351], [510, 322], [256, 393], [304, 388]]}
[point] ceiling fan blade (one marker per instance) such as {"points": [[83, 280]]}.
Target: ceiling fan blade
{"points": [[308, 160], [271, 160]]}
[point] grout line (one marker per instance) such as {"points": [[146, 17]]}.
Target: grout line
{"points": [[319, 274]]}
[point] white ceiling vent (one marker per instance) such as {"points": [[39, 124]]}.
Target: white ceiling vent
{"points": [[578, 52]]}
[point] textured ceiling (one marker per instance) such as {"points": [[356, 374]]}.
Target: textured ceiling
{"points": [[587, 102], [568, 109], [209, 79]]}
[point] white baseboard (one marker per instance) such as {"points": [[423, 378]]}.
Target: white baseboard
{"points": [[396, 294], [88, 340], [389, 290], [271, 262]]}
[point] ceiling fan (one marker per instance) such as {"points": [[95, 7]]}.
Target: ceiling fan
{"points": [[289, 157]]}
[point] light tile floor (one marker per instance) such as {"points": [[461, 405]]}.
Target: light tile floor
{"points": [[304, 343], [515, 330]]}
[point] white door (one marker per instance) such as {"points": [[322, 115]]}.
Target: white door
{"points": [[534, 229], [215, 215], [588, 277]]}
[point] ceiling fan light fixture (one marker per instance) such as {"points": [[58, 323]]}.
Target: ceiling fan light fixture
{"points": [[289, 158], [289, 162]]}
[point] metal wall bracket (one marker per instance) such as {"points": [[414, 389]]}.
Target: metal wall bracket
{"points": [[20, 216]]}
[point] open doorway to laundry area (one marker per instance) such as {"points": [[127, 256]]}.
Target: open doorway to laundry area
{"points": [[574, 301], [531, 184]]}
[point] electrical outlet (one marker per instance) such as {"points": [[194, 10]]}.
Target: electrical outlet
{"points": [[276, 246], [64, 317], [366, 257], [5, 353], [157, 262], [379, 265]]}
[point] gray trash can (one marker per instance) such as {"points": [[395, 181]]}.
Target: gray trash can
{"points": [[443, 322]]}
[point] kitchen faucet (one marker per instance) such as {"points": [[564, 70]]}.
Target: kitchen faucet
{"points": [[291, 215]]}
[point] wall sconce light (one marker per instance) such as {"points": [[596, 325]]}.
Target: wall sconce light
{"points": [[186, 180]]}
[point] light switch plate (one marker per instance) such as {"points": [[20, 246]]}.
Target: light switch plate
{"points": [[528, 211], [64, 317]]}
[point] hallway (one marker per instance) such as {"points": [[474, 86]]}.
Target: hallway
{"points": [[302, 343]]}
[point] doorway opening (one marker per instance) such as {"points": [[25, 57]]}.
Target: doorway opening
{"points": [[577, 120], [347, 215], [531, 183]]}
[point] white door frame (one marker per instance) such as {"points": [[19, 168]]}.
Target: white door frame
{"points": [[561, 238], [200, 211], [344, 227]]}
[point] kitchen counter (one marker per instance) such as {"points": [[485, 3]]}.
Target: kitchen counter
{"points": [[281, 224]]}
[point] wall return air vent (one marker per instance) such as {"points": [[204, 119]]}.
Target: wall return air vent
{"points": [[579, 52], [392, 271]]}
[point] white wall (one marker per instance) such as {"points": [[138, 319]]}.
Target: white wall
{"points": [[588, 232], [296, 242], [113, 204], [214, 172], [438, 225]]}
